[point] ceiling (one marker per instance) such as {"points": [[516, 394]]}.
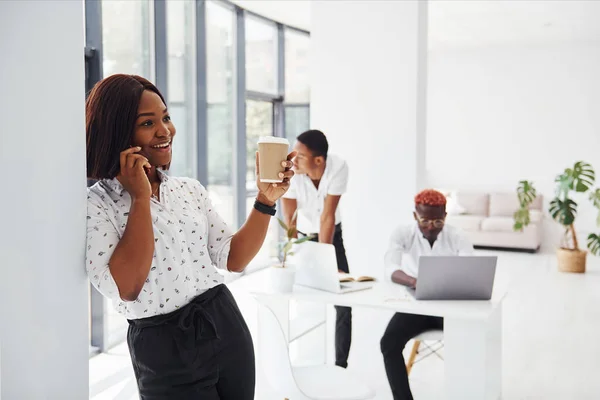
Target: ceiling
{"points": [[476, 23], [512, 22]]}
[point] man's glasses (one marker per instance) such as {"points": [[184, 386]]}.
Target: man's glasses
{"points": [[425, 223]]}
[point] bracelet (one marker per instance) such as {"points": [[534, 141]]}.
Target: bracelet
{"points": [[265, 209]]}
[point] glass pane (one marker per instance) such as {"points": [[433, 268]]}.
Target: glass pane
{"points": [[261, 55], [126, 33], [297, 120], [181, 50], [297, 88], [126, 38], [259, 122], [267, 255], [220, 61]]}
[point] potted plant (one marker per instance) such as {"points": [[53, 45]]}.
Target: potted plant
{"points": [[563, 209], [282, 275]]}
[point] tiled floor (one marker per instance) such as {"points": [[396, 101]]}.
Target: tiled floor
{"points": [[550, 340]]}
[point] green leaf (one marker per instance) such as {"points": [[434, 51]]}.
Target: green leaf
{"points": [[521, 218], [565, 183], [526, 193], [518, 226], [584, 176], [282, 224], [291, 253], [594, 244], [292, 232], [595, 199], [302, 240], [287, 247], [563, 212], [294, 216]]}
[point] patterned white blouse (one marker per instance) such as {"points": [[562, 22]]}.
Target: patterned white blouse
{"points": [[191, 242]]}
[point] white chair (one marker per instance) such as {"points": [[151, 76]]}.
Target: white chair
{"points": [[435, 335], [320, 382]]}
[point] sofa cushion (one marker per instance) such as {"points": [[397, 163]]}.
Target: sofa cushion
{"points": [[535, 215], [452, 206], [538, 203], [506, 203], [503, 204], [498, 224], [473, 203], [466, 222]]}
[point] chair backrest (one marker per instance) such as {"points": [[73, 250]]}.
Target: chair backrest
{"points": [[273, 353]]}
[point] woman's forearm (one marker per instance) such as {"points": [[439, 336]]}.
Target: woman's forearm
{"points": [[246, 242], [130, 263]]}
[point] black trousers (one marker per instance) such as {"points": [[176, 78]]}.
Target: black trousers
{"points": [[202, 351], [401, 329], [343, 320]]}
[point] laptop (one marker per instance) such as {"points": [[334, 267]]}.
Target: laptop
{"points": [[316, 267], [455, 278]]}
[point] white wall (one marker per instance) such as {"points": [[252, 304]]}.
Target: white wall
{"points": [[364, 86], [501, 114], [43, 287]]}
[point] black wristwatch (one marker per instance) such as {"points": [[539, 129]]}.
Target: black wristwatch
{"points": [[265, 209]]}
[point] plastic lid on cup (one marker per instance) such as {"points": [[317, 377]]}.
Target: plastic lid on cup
{"points": [[273, 139]]}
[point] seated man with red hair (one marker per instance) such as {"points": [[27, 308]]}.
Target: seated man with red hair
{"points": [[429, 235]]}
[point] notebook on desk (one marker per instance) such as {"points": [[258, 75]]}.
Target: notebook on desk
{"points": [[344, 277], [316, 267]]}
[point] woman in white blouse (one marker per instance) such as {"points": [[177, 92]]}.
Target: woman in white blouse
{"points": [[154, 244]]}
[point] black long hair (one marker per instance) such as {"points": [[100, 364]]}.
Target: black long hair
{"points": [[111, 112]]}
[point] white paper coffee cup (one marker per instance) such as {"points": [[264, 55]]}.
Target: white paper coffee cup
{"points": [[272, 151]]}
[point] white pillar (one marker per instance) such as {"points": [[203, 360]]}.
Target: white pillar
{"points": [[43, 286], [368, 75]]}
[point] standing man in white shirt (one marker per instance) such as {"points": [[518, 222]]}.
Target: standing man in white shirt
{"points": [[428, 236], [316, 190]]}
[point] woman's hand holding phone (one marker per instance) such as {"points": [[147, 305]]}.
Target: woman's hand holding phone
{"points": [[133, 175]]}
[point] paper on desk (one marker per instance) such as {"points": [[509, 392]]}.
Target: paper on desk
{"points": [[393, 299]]}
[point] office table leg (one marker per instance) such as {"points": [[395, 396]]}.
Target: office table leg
{"points": [[473, 357]]}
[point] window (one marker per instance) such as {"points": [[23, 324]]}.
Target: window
{"points": [[181, 70], [122, 36], [220, 53], [269, 250], [297, 120], [297, 88], [261, 55], [126, 48], [259, 122], [126, 37]]}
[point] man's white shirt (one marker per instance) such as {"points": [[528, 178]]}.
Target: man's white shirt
{"points": [[311, 201], [407, 244]]}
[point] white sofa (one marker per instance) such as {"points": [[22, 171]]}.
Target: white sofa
{"points": [[487, 218]]}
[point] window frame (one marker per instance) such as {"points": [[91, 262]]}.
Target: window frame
{"points": [[100, 337]]}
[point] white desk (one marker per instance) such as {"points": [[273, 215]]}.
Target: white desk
{"points": [[472, 329]]}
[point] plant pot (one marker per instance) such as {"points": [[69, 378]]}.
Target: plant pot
{"points": [[281, 280], [570, 260]]}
